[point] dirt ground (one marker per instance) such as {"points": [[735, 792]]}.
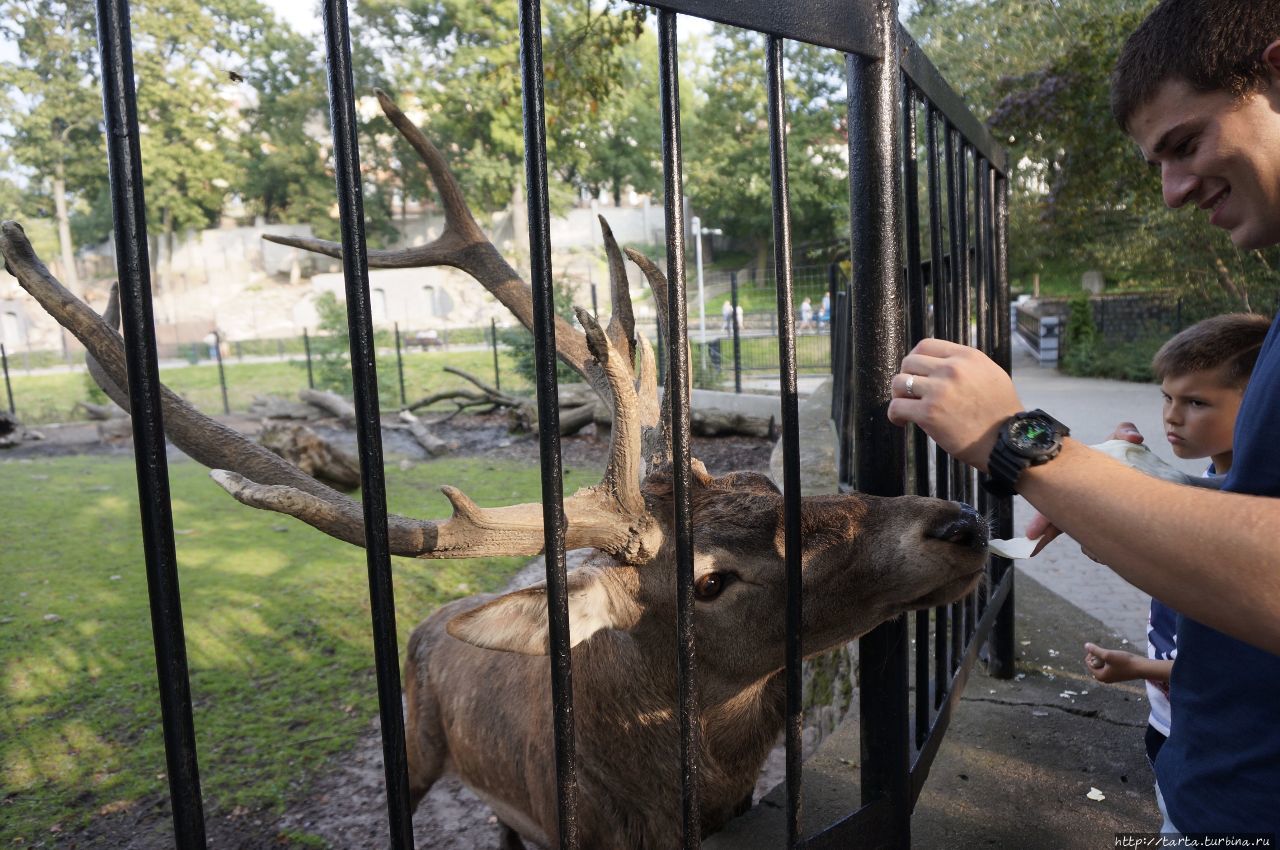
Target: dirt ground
{"points": [[345, 806]]}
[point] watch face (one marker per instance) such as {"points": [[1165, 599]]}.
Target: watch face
{"points": [[1032, 436]]}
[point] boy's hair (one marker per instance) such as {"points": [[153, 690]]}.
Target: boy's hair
{"points": [[1229, 342], [1213, 45]]}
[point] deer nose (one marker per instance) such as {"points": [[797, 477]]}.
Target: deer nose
{"points": [[967, 529]]}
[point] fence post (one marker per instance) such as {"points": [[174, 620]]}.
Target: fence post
{"points": [[306, 347], [878, 331], [737, 342], [595, 310], [222, 375], [400, 366], [8, 388], [493, 331]]}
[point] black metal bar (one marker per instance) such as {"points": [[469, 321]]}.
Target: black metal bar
{"points": [[916, 297], [1001, 657], [364, 375], [400, 366], [848, 27], [8, 387], [737, 337], [942, 307], [936, 89], [960, 299], [789, 398], [544, 339], [222, 373], [677, 383], [1000, 595], [306, 346], [128, 209], [497, 372], [978, 280], [878, 333]]}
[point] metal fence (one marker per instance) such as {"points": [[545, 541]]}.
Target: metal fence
{"points": [[876, 316]]}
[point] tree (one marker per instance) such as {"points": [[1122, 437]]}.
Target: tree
{"points": [[53, 113], [727, 145], [1039, 73], [460, 60]]}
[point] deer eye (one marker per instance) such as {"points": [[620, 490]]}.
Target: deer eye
{"points": [[711, 585]]}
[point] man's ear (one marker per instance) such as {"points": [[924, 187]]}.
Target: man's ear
{"points": [[1271, 57], [517, 621]]}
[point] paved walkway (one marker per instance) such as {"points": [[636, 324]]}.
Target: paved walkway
{"points": [[1091, 408]]}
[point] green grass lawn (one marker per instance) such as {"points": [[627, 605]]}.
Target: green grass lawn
{"points": [[277, 626], [51, 397]]}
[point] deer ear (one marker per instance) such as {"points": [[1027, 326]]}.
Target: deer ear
{"points": [[517, 621]]}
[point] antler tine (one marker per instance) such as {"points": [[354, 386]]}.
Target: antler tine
{"points": [[463, 246], [622, 324], [622, 475]]}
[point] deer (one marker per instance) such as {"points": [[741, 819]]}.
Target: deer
{"points": [[476, 683]]}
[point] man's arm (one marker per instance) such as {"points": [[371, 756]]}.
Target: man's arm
{"points": [[1211, 555]]}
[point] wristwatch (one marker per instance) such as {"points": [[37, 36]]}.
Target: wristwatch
{"points": [[1026, 439]]}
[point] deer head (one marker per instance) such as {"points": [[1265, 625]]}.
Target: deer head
{"points": [[864, 560]]}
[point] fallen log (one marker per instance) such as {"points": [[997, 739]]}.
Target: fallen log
{"points": [[332, 404], [318, 457], [430, 442]]}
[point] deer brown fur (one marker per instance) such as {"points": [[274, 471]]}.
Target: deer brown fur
{"points": [[476, 677]]}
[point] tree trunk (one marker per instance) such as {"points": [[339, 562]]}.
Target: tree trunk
{"points": [[69, 275], [1228, 284]]}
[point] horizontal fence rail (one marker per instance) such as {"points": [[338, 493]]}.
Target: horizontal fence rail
{"points": [[894, 297]]}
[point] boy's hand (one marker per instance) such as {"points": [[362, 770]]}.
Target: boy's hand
{"points": [[1111, 665], [1044, 531]]}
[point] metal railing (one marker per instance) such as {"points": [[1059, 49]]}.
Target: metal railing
{"points": [[875, 319]]}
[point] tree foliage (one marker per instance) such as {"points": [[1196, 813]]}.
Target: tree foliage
{"points": [[1040, 74], [727, 142]]}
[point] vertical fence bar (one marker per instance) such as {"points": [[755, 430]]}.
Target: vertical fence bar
{"points": [[789, 399], [133, 267], [677, 384], [400, 366], [544, 343], [916, 302], [497, 373], [957, 225], [364, 374], [878, 333], [978, 279], [306, 347], [737, 339], [1001, 642], [222, 372], [8, 387]]}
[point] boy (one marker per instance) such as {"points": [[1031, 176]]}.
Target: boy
{"points": [[1202, 372], [1197, 87]]}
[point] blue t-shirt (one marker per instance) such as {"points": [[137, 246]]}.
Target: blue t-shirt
{"points": [[1220, 769]]}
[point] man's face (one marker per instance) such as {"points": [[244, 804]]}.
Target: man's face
{"points": [[1218, 152]]}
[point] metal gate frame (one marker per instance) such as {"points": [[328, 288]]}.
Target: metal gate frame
{"points": [[883, 309]]}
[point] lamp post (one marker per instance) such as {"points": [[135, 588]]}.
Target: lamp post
{"points": [[698, 230]]}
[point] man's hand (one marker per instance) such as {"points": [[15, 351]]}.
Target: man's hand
{"points": [[959, 396], [1044, 531]]}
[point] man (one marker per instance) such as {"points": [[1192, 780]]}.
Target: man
{"points": [[1198, 89]]}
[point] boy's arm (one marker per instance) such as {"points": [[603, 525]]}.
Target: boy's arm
{"points": [[1210, 555]]}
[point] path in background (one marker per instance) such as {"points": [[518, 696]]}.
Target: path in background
{"points": [[1091, 408]]}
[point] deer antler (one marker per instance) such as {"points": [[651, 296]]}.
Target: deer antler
{"points": [[610, 516]]}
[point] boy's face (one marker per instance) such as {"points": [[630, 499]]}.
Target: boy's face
{"points": [[1218, 152], [1200, 414]]}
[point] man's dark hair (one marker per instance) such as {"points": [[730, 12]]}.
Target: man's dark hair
{"points": [[1229, 342], [1213, 45]]}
